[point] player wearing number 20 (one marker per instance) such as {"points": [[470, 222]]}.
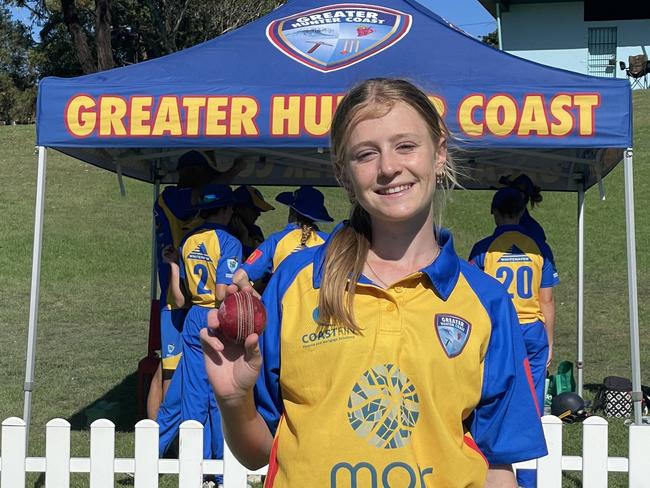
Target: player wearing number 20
{"points": [[524, 265]]}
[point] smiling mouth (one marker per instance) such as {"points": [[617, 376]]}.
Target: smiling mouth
{"points": [[394, 189]]}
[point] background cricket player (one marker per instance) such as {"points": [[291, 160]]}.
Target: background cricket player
{"points": [[523, 263], [306, 207], [386, 358], [207, 259]]}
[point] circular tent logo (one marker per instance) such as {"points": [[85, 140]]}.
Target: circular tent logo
{"points": [[383, 407], [336, 36]]}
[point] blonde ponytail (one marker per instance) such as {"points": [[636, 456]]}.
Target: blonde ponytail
{"points": [[344, 260]]}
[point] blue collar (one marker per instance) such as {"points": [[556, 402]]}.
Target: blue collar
{"points": [[212, 226], [443, 272], [501, 229]]}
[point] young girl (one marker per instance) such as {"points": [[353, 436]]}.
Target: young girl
{"points": [[306, 207], [387, 360]]}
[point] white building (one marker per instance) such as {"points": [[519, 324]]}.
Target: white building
{"points": [[590, 37]]}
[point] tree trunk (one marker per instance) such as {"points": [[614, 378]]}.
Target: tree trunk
{"points": [[79, 39], [103, 34]]}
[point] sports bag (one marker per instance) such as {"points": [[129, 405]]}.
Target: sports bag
{"points": [[614, 397]]}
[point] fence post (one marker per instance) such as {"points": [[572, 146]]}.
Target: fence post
{"points": [[14, 450], [594, 452], [639, 466], [146, 454], [234, 474], [549, 467], [102, 454], [190, 454], [57, 454]]}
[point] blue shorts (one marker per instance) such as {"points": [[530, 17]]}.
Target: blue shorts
{"points": [[171, 328]]}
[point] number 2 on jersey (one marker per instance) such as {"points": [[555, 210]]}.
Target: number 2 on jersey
{"points": [[202, 271], [523, 282]]}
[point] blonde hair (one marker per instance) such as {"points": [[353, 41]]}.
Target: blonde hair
{"points": [[347, 251]]}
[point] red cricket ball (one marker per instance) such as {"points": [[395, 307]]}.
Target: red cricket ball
{"points": [[240, 315]]}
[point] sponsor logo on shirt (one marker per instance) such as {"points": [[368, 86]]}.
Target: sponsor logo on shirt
{"points": [[348, 475], [383, 407], [514, 255], [453, 332], [200, 254], [326, 335]]}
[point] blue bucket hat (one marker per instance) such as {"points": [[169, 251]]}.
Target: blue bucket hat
{"points": [[307, 201], [194, 159], [214, 196], [249, 196]]}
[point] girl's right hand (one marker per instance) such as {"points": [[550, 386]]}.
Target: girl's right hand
{"points": [[232, 368]]}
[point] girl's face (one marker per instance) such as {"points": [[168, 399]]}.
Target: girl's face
{"points": [[392, 165]]}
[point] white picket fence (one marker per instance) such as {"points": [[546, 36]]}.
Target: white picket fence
{"points": [[190, 467]]}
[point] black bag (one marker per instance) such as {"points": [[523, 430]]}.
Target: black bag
{"points": [[614, 397]]}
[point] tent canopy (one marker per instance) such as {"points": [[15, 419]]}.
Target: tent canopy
{"points": [[267, 91]]}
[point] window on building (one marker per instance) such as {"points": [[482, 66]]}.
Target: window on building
{"points": [[602, 51]]}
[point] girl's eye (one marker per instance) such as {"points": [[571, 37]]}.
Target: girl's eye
{"points": [[364, 155], [406, 147]]}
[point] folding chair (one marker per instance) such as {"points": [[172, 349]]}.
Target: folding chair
{"points": [[637, 71]]}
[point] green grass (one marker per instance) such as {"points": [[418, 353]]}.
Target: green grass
{"points": [[95, 284]]}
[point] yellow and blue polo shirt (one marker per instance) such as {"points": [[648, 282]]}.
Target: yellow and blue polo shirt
{"points": [[436, 387], [208, 256], [174, 217], [268, 256], [522, 263]]}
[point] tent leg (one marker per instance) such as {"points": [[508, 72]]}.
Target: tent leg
{"points": [[34, 294], [154, 246], [581, 288], [632, 287]]}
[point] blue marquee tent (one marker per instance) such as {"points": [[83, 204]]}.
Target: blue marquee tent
{"points": [[267, 92]]}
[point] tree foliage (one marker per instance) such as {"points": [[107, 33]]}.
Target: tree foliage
{"points": [[85, 36], [491, 39]]}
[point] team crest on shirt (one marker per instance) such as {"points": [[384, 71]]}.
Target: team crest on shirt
{"points": [[232, 264], [453, 333], [336, 36]]}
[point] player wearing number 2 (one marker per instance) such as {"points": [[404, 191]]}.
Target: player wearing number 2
{"points": [[524, 264], [207, 259]]}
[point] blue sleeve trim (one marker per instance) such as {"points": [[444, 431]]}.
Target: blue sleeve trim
{"points": [[505, 424], [229, 258], [263, 264]]}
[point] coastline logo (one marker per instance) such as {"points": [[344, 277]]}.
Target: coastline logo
{"points": [[383, 407], [336, 36]]}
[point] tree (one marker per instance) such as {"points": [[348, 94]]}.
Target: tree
{"points": [[491, 39], [16, 72]]}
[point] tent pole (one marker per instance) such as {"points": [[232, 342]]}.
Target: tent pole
{"points": [[34, 294], [154, 260], [637, 396], [581, 284], [498, 5]]}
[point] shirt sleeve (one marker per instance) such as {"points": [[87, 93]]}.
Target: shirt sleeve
{"points": [[229, 259], [476, 257], [181, 263], [550, 277], [260, 262], [268, 397], [506, 424]]}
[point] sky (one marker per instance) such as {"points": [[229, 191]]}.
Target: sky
{"points": [[469, 15]]}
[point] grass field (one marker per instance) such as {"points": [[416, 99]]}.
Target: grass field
{"points": [[95, 284]]}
